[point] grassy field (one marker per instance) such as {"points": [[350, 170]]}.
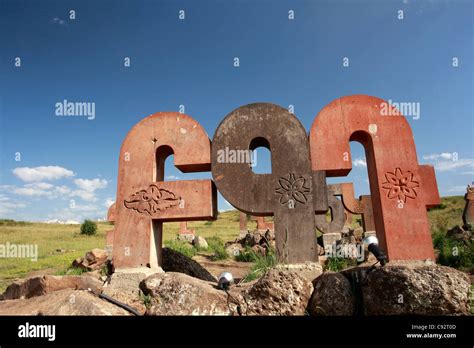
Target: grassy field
{"points": [[59, 245]]}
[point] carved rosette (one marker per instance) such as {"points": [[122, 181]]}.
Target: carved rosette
{"points": [[292, 187], [151, 200], [400, 185]]}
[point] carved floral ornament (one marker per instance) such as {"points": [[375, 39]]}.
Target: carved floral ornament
{"points": [[400, 185], [151, 200], [292, 188]]}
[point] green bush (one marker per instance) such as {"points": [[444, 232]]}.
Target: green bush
{"points": [[182, 247], [454, 253], [336, 264], [247, 255], [217, 247], [261, 265], [89, 228]]}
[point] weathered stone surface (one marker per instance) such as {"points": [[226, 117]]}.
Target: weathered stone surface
{"points": [[291, 193], [124, 286], [401, 189], [93, 260], [332, 295], [278, 292], [180, 294], [62, 302], [186, 237], [234, 249], [174, 261], [200, 242], [307, 270], [253, 238], [460, 234], [145, 200], [41, 285], [468, 213], [415, 289]]}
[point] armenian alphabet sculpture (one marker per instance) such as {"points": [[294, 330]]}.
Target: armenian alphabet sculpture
{"points": [[295, 192]]}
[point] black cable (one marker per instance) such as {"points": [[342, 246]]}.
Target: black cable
{"points": [[120, 304]]}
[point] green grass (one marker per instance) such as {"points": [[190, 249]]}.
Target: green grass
{"points": [[261, 265], [50, 237]]}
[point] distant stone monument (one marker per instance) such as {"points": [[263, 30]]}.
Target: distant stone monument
{"points": [[468, 213]]}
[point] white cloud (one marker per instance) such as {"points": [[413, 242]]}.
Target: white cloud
{"points": [[31, 174], [90, 185], [108, 202], [435, 156], [359, 162], [444, 162], [458, 189], [6, 206], [87, 188]]}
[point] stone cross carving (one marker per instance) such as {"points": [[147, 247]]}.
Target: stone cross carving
{"points": [[291, 193], [401, 189], [183, 228], [145, 200]]}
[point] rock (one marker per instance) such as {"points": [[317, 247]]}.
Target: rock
{"points": [[234, 249], [332, 295], [346, 229], [460, 234], [414, 288], [93, 260], [270, 235], [200, 242], [179, 294], [124, 286], [186, 237], [308, 270], [41, 285], [253, 238], [62, 302], [259, 250], [278, 292], [174, 261]]}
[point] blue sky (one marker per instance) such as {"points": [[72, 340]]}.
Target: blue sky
{"points": [[190, 62]]}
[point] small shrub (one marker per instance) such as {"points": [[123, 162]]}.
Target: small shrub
{"points": [[454, 253], [337, 264], [247, 255], [217, 247], [89, 228], [146, 299], [262, 264]]}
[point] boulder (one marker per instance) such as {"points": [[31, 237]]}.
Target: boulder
{"points": [[93, 260], [460, 234], [41, 285], [252, 238], [61, 302], [413, 288], [124, 286], [332, 295], [186, 237], [308, 270], [278, 292], [180, 294], [173, 261], [234, 249], [200, 242]]}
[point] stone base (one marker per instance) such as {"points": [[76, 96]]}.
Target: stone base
{"points": [[124, 285]]}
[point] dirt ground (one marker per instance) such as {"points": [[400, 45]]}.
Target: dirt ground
{"points": [[236, 268]]}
